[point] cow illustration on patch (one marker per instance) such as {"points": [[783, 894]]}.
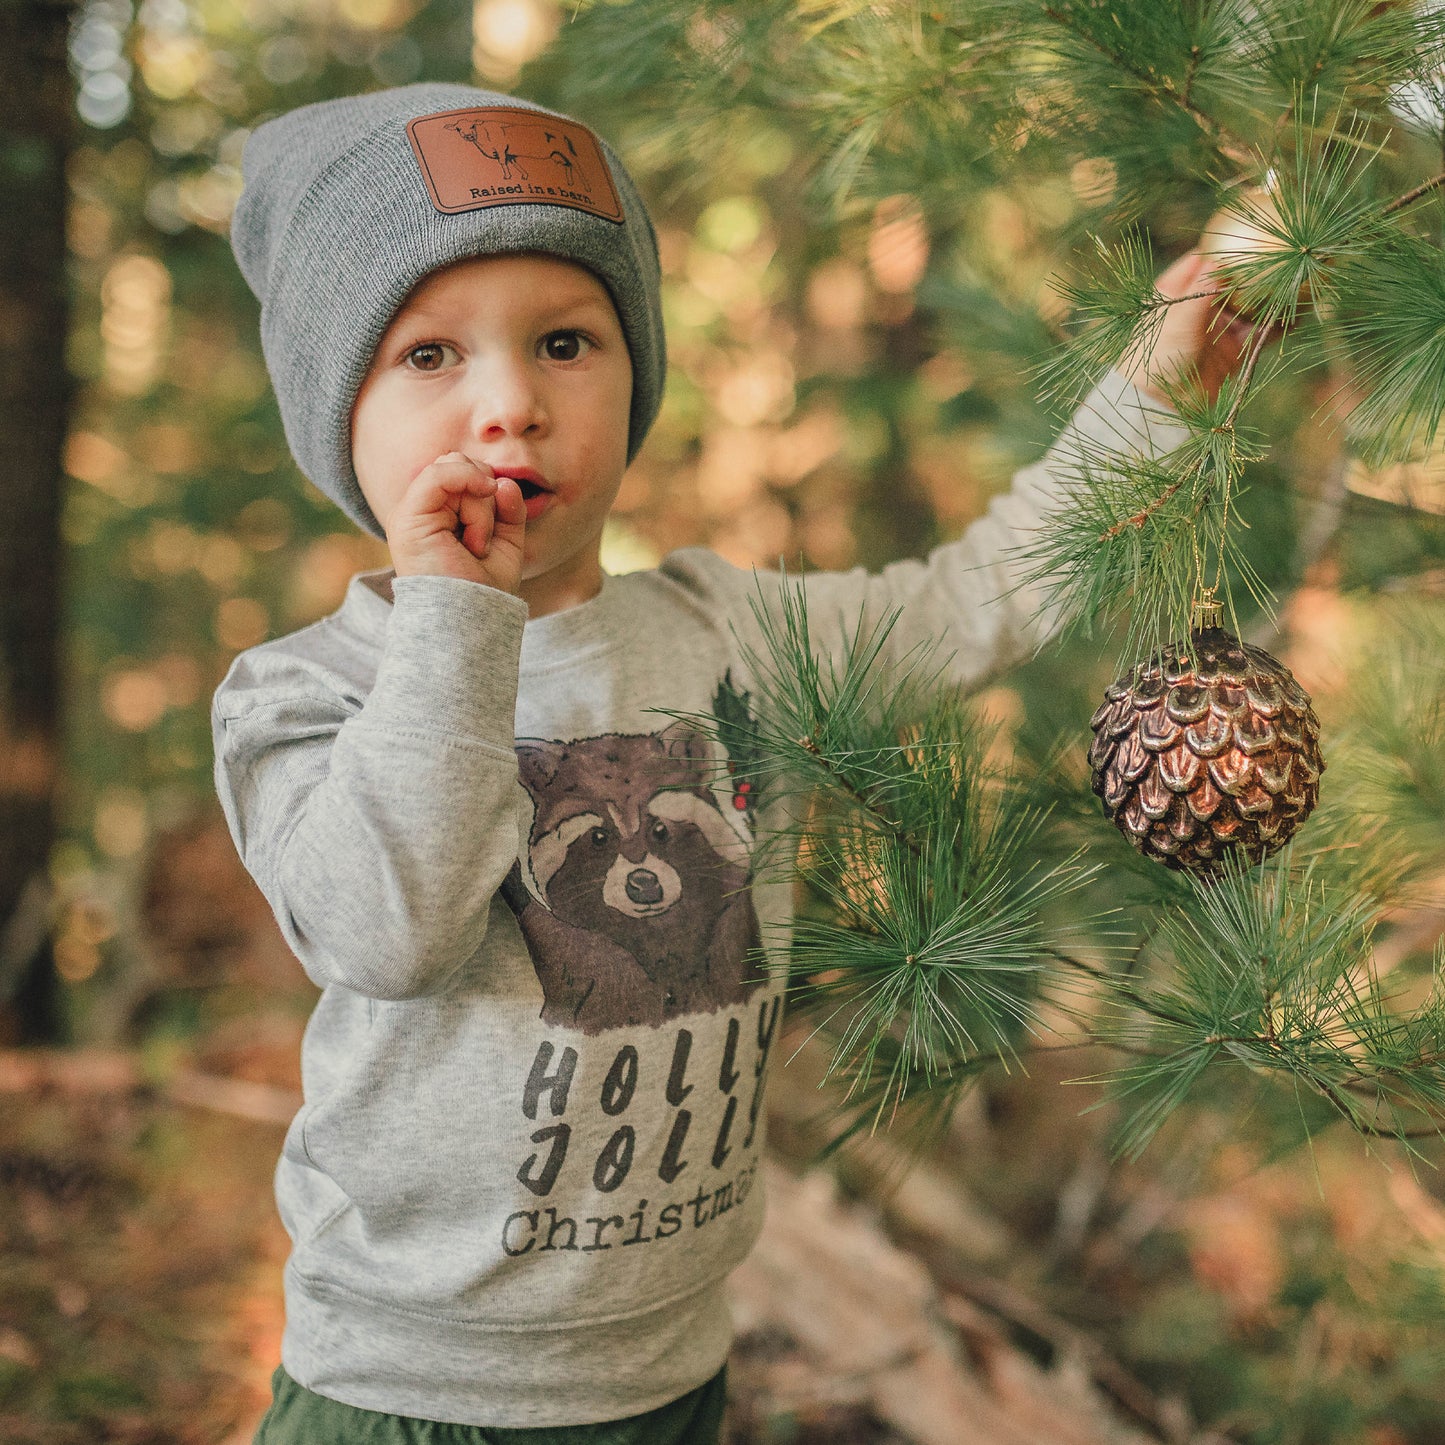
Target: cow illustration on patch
{"points": [[635, 902], [507, 155]]}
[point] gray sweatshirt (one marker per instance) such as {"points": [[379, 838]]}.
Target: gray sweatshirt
{"points": [[527, 1156]]}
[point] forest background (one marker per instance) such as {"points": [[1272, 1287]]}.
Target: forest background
{"points": [[851, 381]]}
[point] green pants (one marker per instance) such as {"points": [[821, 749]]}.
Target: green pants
{"points": [[299, 1417]]}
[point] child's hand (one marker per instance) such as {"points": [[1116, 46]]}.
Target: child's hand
{"points": [[1202, 333], [459, 519]]}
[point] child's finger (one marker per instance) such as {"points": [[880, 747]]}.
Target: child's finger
{"points": [[1182, 276], [511, 504], [510, 524], [456, 472], [499, 520], [477, 524], [475, 503], [440, 487]]}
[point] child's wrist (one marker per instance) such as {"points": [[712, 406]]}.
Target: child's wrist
{"points": [[445, 568]]}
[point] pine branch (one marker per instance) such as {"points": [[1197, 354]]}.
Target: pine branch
{"points": [[1393, 326], [1343, 48], [929, 958], [931, 967], [1124, 539], [1144, 513], [1157, 86], [930, 941], [1260, 335], [1267, 972], [1117, 312], [1411, 196]]}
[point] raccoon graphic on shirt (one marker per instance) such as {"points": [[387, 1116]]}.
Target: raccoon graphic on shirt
{"points": [[635, 902]]}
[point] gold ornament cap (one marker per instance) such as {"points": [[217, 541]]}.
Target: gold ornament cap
{"points": [[1208, 612]]}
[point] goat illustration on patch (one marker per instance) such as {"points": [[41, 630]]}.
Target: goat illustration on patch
{"points": [[637, 908]]}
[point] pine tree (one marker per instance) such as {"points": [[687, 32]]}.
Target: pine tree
{"points": [[945, 898]]}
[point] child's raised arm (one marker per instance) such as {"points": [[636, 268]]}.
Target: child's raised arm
{"points": [[379, 825], [967, 595]]}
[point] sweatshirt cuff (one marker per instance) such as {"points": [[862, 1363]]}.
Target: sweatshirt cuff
{"points": [[450, 660]]}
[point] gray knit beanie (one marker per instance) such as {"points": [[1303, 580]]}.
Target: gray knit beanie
{"points": [[347, 204]]}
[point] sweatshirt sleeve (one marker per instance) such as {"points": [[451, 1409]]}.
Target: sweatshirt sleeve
{"points": [[379, 830], [966, 595]]}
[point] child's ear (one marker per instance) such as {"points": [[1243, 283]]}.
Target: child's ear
{"points": [[537, 764]]}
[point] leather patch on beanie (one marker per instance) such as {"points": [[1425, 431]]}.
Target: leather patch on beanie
{"points": [[484, 156]]}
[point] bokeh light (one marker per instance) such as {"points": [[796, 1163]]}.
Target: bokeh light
{"points": [[135, 298], [508, 33]]}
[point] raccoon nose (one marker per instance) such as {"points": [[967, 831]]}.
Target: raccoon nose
{"points": [[643, 887]]}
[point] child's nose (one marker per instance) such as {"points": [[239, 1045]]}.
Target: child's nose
{"points": [[508, 403]]}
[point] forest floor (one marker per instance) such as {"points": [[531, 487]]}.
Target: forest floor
{"points": [[1016, 1286]]}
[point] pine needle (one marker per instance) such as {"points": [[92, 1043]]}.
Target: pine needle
{"points": [[1269, 971], [1394, 328]]}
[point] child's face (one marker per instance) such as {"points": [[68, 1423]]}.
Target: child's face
{"points": [[518, 362]]}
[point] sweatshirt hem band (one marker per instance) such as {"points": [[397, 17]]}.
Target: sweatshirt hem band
{"points": [[371, 1357]]}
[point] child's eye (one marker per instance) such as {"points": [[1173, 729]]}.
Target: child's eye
{"points": [[565, 345], [430, 356]]}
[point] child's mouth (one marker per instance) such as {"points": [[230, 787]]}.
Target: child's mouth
{"points": [[535, 494], [536, 498]]}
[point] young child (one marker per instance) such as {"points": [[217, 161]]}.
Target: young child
{"points": [[534, 1081]]}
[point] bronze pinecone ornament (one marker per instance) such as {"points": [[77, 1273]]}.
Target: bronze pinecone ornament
{"points": [[1200, 751]]}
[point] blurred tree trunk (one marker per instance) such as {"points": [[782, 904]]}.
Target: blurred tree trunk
{"points": [[35, 392]]}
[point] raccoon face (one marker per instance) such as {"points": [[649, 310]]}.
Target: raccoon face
{"points": [[587, 856], [629, 846], [646, 888], [638, 872]]}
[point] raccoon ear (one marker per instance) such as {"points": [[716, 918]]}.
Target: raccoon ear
{"points": [[537, 763], [681, 740]]}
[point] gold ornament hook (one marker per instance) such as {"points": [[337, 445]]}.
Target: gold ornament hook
{"points": [[1208, 611]]}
